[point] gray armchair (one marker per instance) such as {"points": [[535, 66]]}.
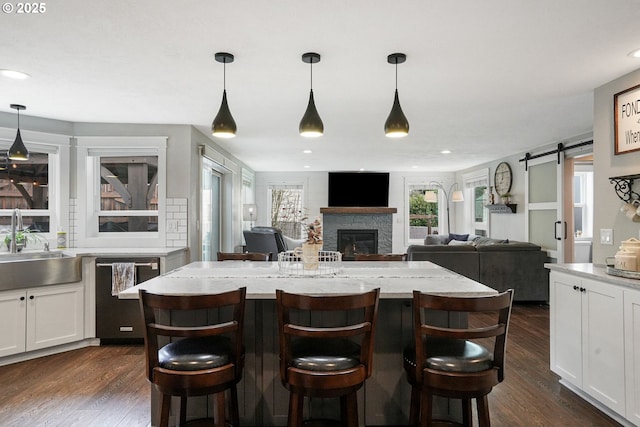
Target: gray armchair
{"points": [[264, 240]]}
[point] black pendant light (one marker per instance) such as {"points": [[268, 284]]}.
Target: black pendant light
{"points": [[223, 125], [397, 124], [18, 151], [311, 124]]}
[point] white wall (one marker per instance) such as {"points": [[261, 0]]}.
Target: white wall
{"points": [[501, 226], [606, 164]]}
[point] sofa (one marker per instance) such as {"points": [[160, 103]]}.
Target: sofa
{"points": [[499, 264]]}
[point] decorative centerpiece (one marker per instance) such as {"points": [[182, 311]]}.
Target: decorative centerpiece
{"points": [[309, 259], [312, 247]]}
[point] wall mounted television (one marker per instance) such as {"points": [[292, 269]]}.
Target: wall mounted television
{"points": [[358, 189]]}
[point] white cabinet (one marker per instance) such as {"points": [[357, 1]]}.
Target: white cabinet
{"points": [[587, 337], [13, 307], [41, 317], [632, 353]]}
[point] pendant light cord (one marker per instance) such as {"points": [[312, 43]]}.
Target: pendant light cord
{"points": [[224, 74], [311, 63], [396, 73]]}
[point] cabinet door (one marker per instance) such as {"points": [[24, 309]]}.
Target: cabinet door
{"points": [[54, 316], [603, 344], [632, 354], [12, 318], [565, 314]]}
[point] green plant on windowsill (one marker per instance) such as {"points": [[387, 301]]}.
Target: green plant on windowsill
{"points": [[21, 240]]}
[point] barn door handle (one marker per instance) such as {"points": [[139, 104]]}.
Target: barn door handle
{"points": [[555, 230]]}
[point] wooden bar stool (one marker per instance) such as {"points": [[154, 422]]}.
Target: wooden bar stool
{"points": [[207, 359], [443, 361], [243, 256], [321, 361]]}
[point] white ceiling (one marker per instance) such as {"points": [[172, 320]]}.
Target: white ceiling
{"points": [[484, 79]]}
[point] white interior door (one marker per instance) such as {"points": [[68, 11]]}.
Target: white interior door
{"points": [[544, 212]]}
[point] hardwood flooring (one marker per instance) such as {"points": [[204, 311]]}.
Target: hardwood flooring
{"points": [[105, 386]]}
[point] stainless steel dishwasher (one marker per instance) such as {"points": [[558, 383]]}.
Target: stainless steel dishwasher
{"points": [[119, 321]]}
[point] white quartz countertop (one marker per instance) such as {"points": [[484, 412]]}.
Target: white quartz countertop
{"points": [[395, 280], [595, 272], [118, 252]]}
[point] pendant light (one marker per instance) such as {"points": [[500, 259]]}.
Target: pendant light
{"points": [[397, 125], [18, 151], [223, 125], [311, 124]]}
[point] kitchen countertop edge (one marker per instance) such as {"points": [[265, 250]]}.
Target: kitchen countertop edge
{"points": [[593, 271]]}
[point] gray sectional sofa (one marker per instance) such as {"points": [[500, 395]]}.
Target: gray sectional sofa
{"points": [[500, 264]]}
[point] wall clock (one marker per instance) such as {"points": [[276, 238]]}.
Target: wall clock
{"points": [[502, 178]]}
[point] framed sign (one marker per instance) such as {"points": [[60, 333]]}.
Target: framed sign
{"points": [[627, 120]]}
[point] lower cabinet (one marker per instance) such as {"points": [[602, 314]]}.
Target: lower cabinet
{"points": [[587, 332], [42, 317], [632, 353]]}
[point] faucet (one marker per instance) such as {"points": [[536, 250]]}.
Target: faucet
{"points": [[16, 225]]}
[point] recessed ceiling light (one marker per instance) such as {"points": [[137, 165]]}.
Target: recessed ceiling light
{"points": [[635, 53], [14, 74], [445, 152], [414, 167], [307, 151], [307, 166], [361, 169]]}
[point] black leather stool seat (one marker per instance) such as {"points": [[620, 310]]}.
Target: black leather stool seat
{"points": [[324, 354], [452, 355], [193, 354]]}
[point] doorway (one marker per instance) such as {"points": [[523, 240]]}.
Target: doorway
{"points": [[559, 202], [579, 206], [210, 215]]}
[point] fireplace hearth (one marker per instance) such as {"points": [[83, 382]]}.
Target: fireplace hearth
{"points": [[354, 242]]}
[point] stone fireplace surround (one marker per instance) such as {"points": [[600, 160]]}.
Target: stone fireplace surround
{"points": [[358, 218]]}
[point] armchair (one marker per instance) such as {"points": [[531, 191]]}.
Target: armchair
{"points": [[265, 240]]}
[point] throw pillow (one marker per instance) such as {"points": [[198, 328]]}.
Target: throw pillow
{"points": [[482, 241], [435, 240], [459, 243], [461, 237]]}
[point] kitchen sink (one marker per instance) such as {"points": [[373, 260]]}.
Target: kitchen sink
{"points": [[32, 269]]}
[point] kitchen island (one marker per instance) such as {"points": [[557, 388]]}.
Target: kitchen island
{"points": [[384, 400]]}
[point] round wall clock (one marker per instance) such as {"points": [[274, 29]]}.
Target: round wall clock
{"points": [[502, 178]]}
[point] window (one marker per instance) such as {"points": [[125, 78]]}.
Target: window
{"points": [[25, 185], [35, 186], [125, 191], [582, 202], [423, 215], [287, 212], [128, 194], [476, 214]]}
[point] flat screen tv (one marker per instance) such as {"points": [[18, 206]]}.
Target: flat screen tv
{"points": [[361, 189]]}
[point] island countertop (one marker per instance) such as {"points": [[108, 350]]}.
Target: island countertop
{"points": [[395, 280]]}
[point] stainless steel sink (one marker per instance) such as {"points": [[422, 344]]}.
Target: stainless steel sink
{"points": [[31, 269]]}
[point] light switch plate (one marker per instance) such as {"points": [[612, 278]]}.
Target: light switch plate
{"points": [[606, 236], [172, 225]]}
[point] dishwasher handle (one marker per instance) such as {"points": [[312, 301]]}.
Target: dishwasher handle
{"points": [[152, 265]]}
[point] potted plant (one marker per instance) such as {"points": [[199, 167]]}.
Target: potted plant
{"points": [[506, 198], [21, 240]]}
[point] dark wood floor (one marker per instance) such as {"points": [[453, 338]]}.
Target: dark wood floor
{"points": [[105, 386]]}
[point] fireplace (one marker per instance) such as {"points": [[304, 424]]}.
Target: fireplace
{"points": [[352, 242]]}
